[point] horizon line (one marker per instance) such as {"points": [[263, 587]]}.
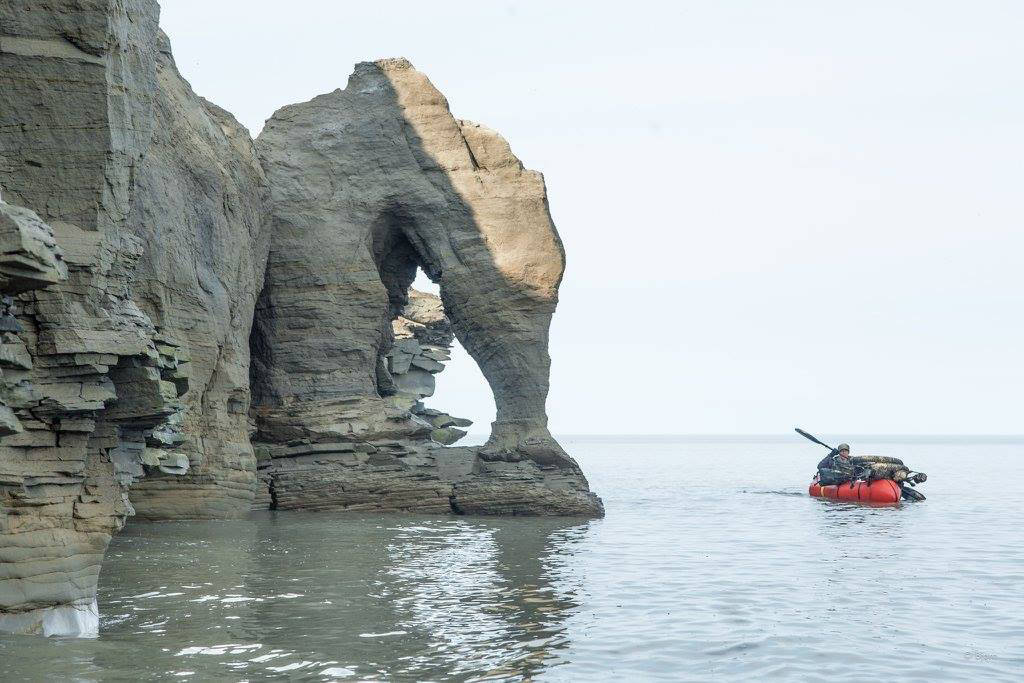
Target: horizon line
{"points": [[780, 436]]}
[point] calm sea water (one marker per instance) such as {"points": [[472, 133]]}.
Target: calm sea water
{"points": [[712, 564]]}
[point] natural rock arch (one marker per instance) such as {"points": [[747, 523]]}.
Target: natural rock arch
{"points": [[385, 154]]}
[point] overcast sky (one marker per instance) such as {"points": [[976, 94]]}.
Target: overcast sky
{"points": [[776, 213]]}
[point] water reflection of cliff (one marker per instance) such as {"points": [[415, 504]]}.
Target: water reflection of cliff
{"points": [[491, 595], [328, 596]]}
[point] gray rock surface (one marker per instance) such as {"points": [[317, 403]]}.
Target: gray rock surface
{"points": [[384, 180], [382, 173], [216, 325], [199, 202], [31, 257], [85, 386]]}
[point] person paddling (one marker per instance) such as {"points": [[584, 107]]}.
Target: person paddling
{"points": [[836, 467]]}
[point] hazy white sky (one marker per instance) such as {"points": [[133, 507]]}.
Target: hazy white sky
{"points": [[776, 213]]}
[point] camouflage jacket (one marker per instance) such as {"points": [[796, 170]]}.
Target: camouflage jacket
{"points": [[834, 470]]}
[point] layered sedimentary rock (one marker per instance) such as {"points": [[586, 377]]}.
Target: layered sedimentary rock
{"points": [[89, 388], [423, 339], [84, 405], [198, 204], [213, 324], [384, 180]]}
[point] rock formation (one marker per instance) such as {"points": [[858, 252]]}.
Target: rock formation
{"points": [[199, 202], [91, 382], [150, 248], [423, 338], [384, 180]]}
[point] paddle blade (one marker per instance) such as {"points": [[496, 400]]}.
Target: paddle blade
{"points": [[912, 494], [808, 436]]}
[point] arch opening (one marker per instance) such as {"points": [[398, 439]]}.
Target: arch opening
{"points": [[418, 343]]}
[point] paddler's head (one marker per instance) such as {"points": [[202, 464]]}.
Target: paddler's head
{"points": [[844, 450]]}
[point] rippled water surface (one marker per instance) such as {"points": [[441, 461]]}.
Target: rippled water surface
{"points": [[712, 563]]}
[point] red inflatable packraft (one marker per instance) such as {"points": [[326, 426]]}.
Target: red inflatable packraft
{"points": [[883, 491]]}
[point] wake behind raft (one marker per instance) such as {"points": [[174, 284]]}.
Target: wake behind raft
{"points": [[880, 480]]}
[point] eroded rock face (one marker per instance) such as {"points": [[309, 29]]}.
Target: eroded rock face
{"points": [[423, 339], [193, 194], [371, 469], [383, 180], [198, 204], [87, 386], [143, 230], [82, 406]]}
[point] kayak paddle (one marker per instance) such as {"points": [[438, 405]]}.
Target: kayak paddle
{"points": [[808, 436]]}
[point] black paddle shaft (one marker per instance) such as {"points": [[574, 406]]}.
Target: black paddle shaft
{"points": [[808, 436]]}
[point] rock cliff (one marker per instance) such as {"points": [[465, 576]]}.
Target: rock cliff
{"points": [[88, 382], [199, 203], [209, 325]]}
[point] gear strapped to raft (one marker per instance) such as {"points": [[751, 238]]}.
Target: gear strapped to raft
{"points": [[864, 478]]}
